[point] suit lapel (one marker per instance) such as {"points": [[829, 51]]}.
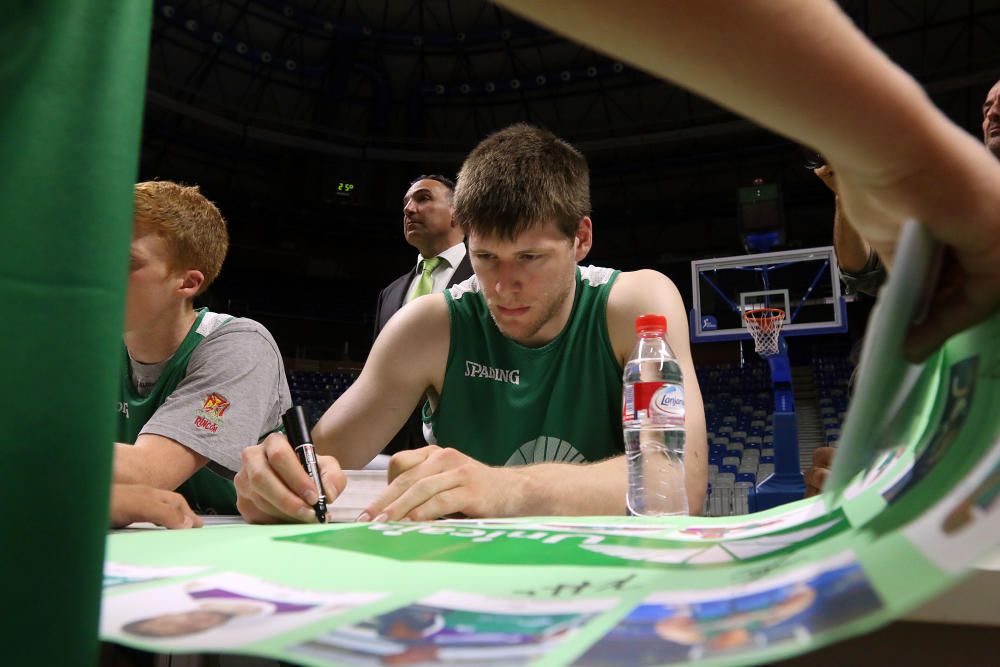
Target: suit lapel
{"points": [[400, 297], [462, 272]]}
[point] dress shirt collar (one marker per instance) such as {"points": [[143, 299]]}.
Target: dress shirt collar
{"points": [[452, 256]]}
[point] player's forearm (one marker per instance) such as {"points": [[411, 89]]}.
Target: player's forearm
{"points": [[133, 502], [329, 440], [359, 424], [799, 68], [696, 458], [349, 434], [852, 250], [567, 489], [127, 468], [697, 487], [164, 465]]}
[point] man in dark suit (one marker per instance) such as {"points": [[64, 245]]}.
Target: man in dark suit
{"points": [[429, 226]]}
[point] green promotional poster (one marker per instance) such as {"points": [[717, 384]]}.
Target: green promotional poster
{"points": [[600, 590]]}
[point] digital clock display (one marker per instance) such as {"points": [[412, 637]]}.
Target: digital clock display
{"points": [[345, 189]]}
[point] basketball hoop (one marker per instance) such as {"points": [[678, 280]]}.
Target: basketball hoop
{"points": [[765, 326]]}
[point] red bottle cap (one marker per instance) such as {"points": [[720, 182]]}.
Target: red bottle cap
{"points": [[650, 323]]}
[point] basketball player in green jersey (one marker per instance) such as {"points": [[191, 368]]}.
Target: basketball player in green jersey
{"points": [[196, 386], [521, 365]]}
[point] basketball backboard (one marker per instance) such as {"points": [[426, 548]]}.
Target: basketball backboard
{"points": [[804, 283]]}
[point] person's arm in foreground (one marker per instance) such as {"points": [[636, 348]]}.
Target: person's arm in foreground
{"points": [[135, 502], [815, 476], [156, 461], [407, 359], [802, 69], [852, 250]]}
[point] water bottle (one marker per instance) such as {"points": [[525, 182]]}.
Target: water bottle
{"points": [[653, 423]]}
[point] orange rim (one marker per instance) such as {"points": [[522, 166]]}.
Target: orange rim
{"points": [[764, 318]]}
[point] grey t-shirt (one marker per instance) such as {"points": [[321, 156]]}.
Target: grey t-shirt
{"points": [[237, 359]]}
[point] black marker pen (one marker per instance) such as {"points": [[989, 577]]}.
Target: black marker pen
{"points": [[298, 434]]}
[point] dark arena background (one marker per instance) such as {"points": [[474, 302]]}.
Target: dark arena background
{"points": [[306, 120]]}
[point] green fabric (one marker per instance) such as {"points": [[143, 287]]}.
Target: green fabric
{"points": [[73, 77], [205, 491], [506, 404], [426, 284], [921, 511]]}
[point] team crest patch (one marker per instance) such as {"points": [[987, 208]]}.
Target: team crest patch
{"points": [[209, 417]]}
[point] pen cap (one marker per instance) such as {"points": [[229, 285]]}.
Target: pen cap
{"points": [[294, 420]]}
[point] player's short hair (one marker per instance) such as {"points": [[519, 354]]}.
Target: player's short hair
{"points": [[192, 226], [520, 177], [443, 180]]}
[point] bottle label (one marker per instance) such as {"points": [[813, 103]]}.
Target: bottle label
{"points": [[668, 401], [628, 403], [658, 401]]}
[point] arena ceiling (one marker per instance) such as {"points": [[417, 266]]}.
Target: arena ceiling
{"points": [[401, 80], [313, 115]]}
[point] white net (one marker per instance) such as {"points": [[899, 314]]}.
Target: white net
{"points": [[765, 327]]}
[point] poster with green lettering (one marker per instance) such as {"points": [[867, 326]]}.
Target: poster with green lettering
{"points": [[593, 591]]}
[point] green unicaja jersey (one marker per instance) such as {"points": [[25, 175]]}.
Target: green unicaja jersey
{"points": [[205, 491], [506, 404]]}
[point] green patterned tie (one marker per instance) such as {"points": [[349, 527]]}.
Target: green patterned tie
{"points": [[425, 284]]}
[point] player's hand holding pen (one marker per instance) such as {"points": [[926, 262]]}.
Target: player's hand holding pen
{"points": [[273, 485]]}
